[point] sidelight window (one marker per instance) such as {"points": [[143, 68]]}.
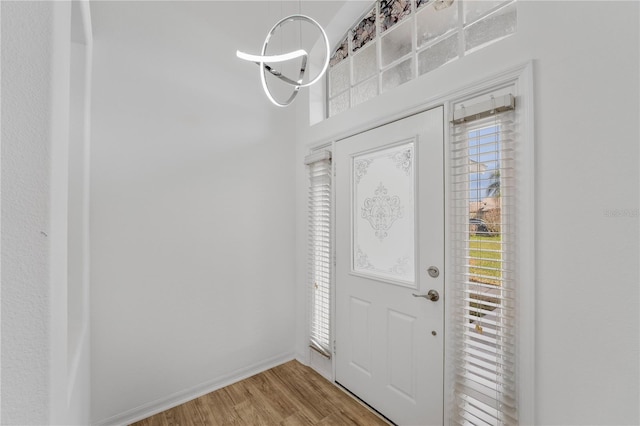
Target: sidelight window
{"points": [[483, 151], [319, 249]]}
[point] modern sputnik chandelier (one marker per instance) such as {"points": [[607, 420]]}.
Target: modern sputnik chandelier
{"points": [[262, 60]]}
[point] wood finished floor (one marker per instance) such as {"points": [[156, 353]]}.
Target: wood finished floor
{"points": [[290, 394]]}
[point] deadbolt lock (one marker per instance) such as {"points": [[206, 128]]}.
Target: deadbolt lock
{"points": [[433, 272]]}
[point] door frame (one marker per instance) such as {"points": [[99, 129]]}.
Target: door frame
{"points": [[521, 76]]}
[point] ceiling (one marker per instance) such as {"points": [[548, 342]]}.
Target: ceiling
{"points": [[239, 21]]}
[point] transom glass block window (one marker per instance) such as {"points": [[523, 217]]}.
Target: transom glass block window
{"points": [[399, 40]]}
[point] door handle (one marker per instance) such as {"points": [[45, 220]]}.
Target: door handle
{"points": [[431, 295]]}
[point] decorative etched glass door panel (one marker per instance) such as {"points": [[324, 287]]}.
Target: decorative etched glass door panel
{"points": [[383, 183]]}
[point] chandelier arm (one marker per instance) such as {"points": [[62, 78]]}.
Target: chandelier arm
{"points": [[261, 60], [296, 84], [271, 58], [279, 75]]}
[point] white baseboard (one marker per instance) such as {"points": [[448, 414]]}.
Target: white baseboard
{"points": [[302, 358], [175, 399]]}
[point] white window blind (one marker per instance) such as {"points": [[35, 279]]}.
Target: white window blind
{"points": [[485, 326], [319, 246]]}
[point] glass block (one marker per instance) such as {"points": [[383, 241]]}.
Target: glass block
{"points": [[365, 91], [438, 4], [338, 78], [475, 9], [365, 31], [397, 75], [341, 52], [420, 3], [339, 103], [365, 63], [494, 27], [397, 43], [433, 22], [437, 55], [392, 12]]}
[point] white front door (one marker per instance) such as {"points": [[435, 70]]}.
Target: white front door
{"points": [[389, 232]]}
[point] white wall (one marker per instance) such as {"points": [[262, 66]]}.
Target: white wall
{"points": [[192, 205], [586, 68], [36, 384], [26, 165]]}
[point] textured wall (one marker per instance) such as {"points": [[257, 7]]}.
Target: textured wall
{"points": [[37, 386], [26, 154]]}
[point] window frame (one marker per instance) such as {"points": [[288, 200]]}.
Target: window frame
{"points": [[317, 155], [520, 82], [485, 358]]}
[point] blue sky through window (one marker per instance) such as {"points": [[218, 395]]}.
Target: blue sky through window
{"points": [[484, 160]]}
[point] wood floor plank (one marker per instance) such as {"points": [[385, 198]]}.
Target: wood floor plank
{"points": [[273, 395], [252, 413], [338, 419], [239, 392], [290, 394], [304, 403], [298, 419], [218, 408], [308, 387]]}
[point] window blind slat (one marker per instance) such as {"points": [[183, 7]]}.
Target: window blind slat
{"points": [[485, 342], [483, 192], [319, 250], [470, 353]]}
